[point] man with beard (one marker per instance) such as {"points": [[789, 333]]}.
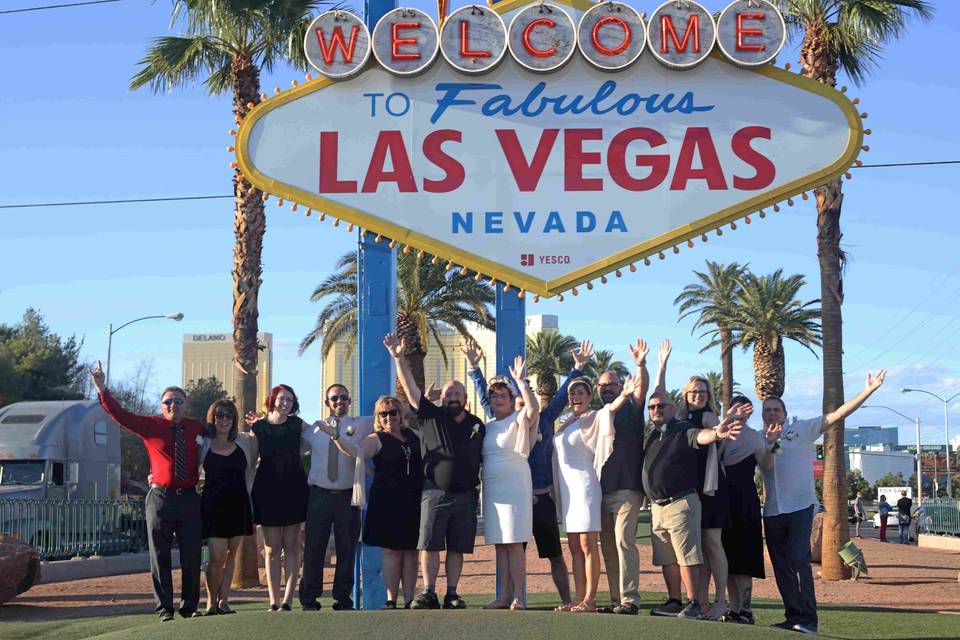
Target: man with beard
{"points": [[622, 486], [330, 505], [451, 441]]}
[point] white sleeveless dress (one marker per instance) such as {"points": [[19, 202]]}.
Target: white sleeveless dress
{"points": [[507, 486], [580, 493]]}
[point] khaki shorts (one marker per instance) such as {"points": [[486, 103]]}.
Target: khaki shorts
{"points": [[675, 533]]}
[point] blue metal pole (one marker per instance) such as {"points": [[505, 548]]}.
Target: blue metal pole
{"points": [[511, 342], [376, 316]]}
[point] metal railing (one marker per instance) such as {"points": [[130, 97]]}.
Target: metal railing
{"points": [[940, 516], [68, 528]]}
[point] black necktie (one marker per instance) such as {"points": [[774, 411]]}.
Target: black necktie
{"points": [[179, 453]]}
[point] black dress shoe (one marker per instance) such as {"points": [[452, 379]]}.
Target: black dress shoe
{"points": [[313, 606], [166, 616], [346, 605]]}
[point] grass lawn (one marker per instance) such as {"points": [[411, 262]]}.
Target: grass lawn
{"points": [[253, 621]]}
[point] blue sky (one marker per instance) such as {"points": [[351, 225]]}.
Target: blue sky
{"points": [[72, 130]]}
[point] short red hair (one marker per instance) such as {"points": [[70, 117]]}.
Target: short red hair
{"points": [[272, 398]]}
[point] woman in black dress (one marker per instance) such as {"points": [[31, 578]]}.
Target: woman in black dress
{"points": [[227, 462], [743, 534], [280, 491], [698, 407], [393, 512]]}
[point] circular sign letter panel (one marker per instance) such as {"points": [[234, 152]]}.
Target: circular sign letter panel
{"points": [[611, 36], [473, 39], [681, 34], [337, 44], [542, 37], [405, 41], [751, 32]]}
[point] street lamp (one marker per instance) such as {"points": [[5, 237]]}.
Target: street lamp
{"points": [[946, 428], [919, 467], [177, 317]]}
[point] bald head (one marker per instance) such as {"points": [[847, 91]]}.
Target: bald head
{"points": [[453, 398]]}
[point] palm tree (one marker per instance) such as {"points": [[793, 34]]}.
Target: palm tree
{"points": [[428, 298], [766, 312], [603, 361], [707, 299], [836, 35], [549, 356], [226, 44]]}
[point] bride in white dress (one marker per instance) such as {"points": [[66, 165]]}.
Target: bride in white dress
{"points": [[507, 486], [581, 447]]}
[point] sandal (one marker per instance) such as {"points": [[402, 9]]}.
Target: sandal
{"points": [[566, 606], [516, 605], [587, 606], [224, 609], [497, 604]]}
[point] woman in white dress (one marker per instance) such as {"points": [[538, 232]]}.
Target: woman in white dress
{"points": [[507, 487], [581, 447]]}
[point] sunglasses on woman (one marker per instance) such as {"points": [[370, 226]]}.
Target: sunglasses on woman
{"points": [[223, 415], [392, 413]]}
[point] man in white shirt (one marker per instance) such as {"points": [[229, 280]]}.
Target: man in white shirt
{"points": [[789, 502], [331, 491]]}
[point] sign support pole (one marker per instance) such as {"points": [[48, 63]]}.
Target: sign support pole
{"points": [[376, 317], [511, 342]]}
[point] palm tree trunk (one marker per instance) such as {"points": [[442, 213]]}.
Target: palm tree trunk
{"points": [[249, 225], [726, 368], [836, 531], [821, 65], [768, 368], [409, 332]]}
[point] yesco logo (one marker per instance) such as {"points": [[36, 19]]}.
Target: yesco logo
{"points": [[530, 260]]}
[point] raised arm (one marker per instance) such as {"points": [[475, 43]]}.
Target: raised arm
{"points": [[474, 355], [531, 408], [663, 355], [639, 353], [395, 347], [630, 386], [730, 427], [140, 425], [872, 384], [581, 358]]}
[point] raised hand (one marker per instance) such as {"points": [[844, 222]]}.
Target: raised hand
{"points": [[516, 370], [772, 433], [432, 394], [664, 353], [639, 352], [582, 355], [473, 353], [873, 382], [394, 345], [740, 411], [630, 386], [99, 379], [734, 430], [250, 418]]}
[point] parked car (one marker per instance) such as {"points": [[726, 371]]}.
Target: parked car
{"points": [[892, 520]]}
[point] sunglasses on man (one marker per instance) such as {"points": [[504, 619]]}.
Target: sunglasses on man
{"points": [[172, 401], [342, 398]]}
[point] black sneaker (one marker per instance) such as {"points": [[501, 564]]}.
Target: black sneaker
{"points": [[166, 616], [692, 611], [426, 600], [730, 616], [453, 601], [746, 617], [809, 629], [669, 609], [786, 626], [389, 604], [626, 608]]}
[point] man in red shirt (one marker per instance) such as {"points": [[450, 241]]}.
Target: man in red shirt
{"points": [[172, 504]]}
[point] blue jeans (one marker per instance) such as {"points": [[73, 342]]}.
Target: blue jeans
{"points": [[788, 542], [904, 532]]}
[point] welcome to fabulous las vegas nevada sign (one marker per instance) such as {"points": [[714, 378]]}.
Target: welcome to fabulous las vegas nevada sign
{"points": [[544, 145]]}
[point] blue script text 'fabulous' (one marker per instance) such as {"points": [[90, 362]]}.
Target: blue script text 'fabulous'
{"points": [[602, 102]]}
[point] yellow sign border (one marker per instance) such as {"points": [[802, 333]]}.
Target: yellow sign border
{"points": [[594, 270]]}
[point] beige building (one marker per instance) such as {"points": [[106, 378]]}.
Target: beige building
{"points": [[211, 354], [342, 368]]}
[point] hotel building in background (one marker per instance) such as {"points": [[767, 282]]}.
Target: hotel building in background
{"points": [[341, 367], [211, 354]]}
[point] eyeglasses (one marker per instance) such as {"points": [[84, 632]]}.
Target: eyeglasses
{"points": [[220, 414], [655, 407], [342, 398], [696, 392], [172, 401], [499, 396], [392, 413]]}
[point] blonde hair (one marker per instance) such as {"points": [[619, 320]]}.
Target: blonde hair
{"points": [[683, 410], [383, 404]]}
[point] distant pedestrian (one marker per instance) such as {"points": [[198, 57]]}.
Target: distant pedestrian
{"points": [[885, 510], [790, 499], [904, 505], [172, 505], [858, 512]]}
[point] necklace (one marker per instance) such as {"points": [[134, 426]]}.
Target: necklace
{"points": [[407, 453]]}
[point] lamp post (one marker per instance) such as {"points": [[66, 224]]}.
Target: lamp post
{"points": [[946, 427], [177, 317], [918, 460]]}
